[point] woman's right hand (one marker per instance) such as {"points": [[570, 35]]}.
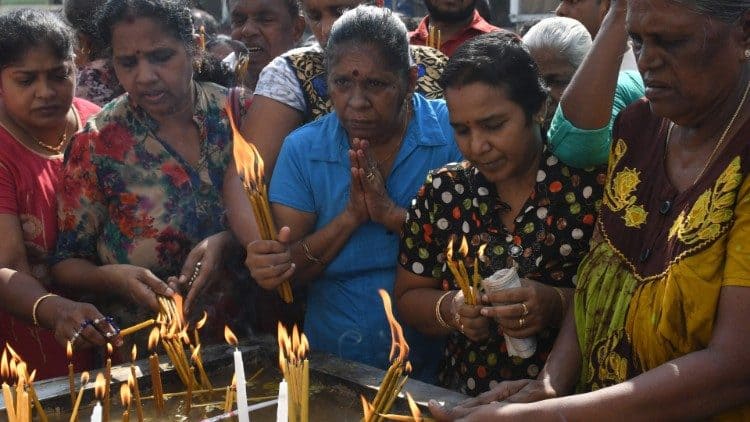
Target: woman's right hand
{"points": [[357, 205], [270, 261], [137, 284], [468, 320], [66, 317]]}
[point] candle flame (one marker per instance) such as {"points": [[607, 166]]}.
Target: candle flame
{"points": [[69, 350], [397, 333], [247, 159], [32, 377], [125, 395], [4, 368], [109, 349], [295, 341], [305, 346], [13, 364], [153, 338], [134, 353], [21, 371], [180, 314], [131, 381], [13, 353], [414, 408], [201, 322], [229, 336], [84, 378], [366, 408], [100, 385], [464, 249], [480, 253], [196, 354], [449, 250]]}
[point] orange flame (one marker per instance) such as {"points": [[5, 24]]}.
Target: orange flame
{"points": [[480, 253], [125, 395], [196, 354], [247, 159], [449, 250], [131, 381], [201, 322], [22, 371], [153, 338], [397, 333], [4, 369], [464, 249], [366, 408], [84, 378], [32, 377], [69, 350], [414, 408], [229, 336], [180, 314], [100, 385], [134, 353], [13, 353], [13, 364], [109, 349], [305, 346]]}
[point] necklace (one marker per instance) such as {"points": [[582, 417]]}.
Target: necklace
{"points": [[57, 148], [719, 144], [395, 149]]}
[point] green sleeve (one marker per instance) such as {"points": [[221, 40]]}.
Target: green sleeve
{"points": [[590, 147]]}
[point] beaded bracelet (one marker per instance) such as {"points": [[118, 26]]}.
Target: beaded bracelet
{"points": [[438, 316], [36, 305]]}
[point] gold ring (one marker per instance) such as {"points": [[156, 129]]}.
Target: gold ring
{"points": [[370, 176], [525, 309], [521, 322]]}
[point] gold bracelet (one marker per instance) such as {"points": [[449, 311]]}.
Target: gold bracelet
{"points": [[310, 256], [563, 302], [438, 316], [36, 305]]}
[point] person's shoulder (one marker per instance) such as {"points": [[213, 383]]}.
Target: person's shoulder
{"points": [[458, 172], [307, 135], [303, 51], [85, 108], [637, 112]]}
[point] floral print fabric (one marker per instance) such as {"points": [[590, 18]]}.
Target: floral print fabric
{"points": [[549, 239], [128, 198]]}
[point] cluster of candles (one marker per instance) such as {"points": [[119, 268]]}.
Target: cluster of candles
{"points": [[250, 169], [433, 38], [18, 403], [469, 285], [294, 389]]}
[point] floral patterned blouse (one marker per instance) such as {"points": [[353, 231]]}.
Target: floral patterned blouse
{"points": [[550, 238], [98, 83], [128, 198]]}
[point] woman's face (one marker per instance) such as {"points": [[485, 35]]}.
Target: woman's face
{"points": [[492, 131], [367, 96], [556, 71], [321, 14], [37, 91], [153, 66], [690, 63]]}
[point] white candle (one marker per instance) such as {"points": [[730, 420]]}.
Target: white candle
{"points": [[96, 415], [282, 409], [239, 373]]}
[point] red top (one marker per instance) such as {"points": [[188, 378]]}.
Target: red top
{"points": [[28, 182], [478, 26]]}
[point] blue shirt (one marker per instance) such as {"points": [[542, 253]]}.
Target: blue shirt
{"points": [[344, 313]]}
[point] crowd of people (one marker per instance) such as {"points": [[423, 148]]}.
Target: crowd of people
{"points": [[600, 154]]}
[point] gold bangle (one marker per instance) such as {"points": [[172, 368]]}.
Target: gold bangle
{"points": [[36, 305], [310, 256], [438, 316], [563, 302]]}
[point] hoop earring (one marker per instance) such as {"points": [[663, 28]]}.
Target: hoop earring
{"points": [[747, 54]]}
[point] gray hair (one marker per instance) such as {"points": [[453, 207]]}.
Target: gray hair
{"points": [[724, 10], [564, 36], [373, 26]]}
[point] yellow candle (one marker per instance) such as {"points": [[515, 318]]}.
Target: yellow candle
{"points": [[107, 380], [84, 380], [304, 413], [71, 375], [156, 382]]}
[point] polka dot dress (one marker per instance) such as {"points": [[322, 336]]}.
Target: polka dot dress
{"points": [[550, 237]]}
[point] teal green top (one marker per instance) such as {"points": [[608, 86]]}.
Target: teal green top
{"points": [[590, 147]]}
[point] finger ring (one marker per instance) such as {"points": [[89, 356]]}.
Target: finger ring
{"points": [[198, 264], [370, 176], [76, 334], [85, 323], [98, 320], [521, 322], [461, 329], [525, 309]]}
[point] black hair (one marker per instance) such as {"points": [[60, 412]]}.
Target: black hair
{"points": [[501, 60], [724, 10], [206, 20], [25, 29], [175, 18], [78, 14], [292, 6], [374, 26]]}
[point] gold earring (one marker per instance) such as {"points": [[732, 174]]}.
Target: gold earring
{"points": [[747, 54]]}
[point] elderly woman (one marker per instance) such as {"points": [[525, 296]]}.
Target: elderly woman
{"points": [[342, 183], [143, 182], [293, 88], [579, 123], [513, 199], [38, 115], [654, 334]]}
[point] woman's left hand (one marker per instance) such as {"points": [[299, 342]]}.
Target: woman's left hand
{"points": [[487, 412], [526, 310], [379, 204], [200, 267]]}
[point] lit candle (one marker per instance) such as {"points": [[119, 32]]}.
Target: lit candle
{"points": [[133, 385], [107, 380], [189, 395], [96, 415], [84, 380], [125, 400], [153, 360], [7, 393], [71, 375], [304, 411], [32, 393], [282, 410], [100, 387], [239, 373]]}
